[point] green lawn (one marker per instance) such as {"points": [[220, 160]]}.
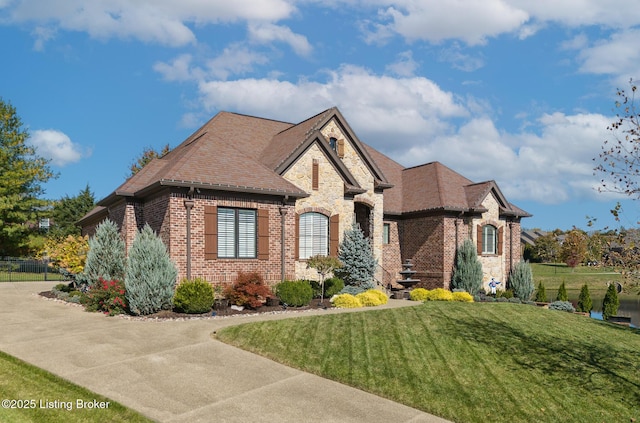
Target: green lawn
{"points": [[37, 389], [467, 362], [553, 274], [29, 277]]}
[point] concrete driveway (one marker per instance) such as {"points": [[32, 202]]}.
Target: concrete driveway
{"points": [[174, 371]]}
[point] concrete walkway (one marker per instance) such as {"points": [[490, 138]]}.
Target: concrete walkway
{"points": [[174, 371]]}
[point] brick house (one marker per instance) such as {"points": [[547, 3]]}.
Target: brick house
{"points": [[245, 193]]}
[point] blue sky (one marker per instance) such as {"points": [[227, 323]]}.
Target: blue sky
{"points": [[495, 89]]}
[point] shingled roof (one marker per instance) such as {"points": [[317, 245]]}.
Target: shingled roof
{"points": [[235, 152]]}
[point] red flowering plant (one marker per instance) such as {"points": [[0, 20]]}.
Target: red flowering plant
{"points": [[107, 296]]}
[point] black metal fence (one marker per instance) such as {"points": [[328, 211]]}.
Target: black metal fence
{"points": [[27, 270]]}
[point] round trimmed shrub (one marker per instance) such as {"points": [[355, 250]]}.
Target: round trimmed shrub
{"points": [[464, 297], [294, 293], [372, 298], [332, 286], [418, 294], [193, 296], [346, 301], [439, 294]]}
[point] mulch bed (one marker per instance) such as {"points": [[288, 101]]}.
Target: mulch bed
{"points": [[222, 312]]}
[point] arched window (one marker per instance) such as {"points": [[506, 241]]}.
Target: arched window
{"points": [[489, 239], [314, 235]]}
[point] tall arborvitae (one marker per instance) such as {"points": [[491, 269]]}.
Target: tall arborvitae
{"points": [[359, 264], [541, 293], [585, 304], [107, 257], [562, 293], [521, 280], [611, 302], [467, 274], [151, 275]]}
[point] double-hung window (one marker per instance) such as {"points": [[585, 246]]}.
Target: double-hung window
{"points": [[314, 235], [489, 239], [236, 233]]}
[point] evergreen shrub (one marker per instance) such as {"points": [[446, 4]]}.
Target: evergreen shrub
{"points": [[521, 280], [467, 273], [418, 294], [562, 306], [151, 275], [585, 305], [541, 294], [332, 286], [352, 290], [356, 255], [372, 298], [611, 302], [506, 293], [294, 293], [346, 301], [106, 258], [193, 296], [249, 290], [464, 297], [439, 294], [562, 293]]}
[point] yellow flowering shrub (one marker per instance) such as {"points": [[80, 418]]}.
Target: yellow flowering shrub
{"points": [[346, 301], [439, 294], [464, 297], [418, 294], [372, 298]]}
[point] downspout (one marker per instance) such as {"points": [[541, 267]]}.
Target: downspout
{"points": [[188, 204], [283, 213]]}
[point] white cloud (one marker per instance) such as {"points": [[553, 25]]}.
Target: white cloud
{"points": [[618, 55], [435, 21], [266, 33], [158, 21], [404, 66], [56, 146]]}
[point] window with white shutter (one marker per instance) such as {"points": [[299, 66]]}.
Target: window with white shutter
{"points": [[236, 233]]}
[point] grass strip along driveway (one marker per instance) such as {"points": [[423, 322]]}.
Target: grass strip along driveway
{"points": [[30, 394], [466, 362]]}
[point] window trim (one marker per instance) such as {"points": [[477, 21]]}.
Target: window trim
{"points": [[237, 238]]}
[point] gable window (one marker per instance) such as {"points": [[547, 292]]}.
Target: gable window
{"points": [[313, 235], [489, 239], [236, 233], [333, 143]]}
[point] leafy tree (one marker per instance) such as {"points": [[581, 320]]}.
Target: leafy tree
{"points": [[146, 156], [562, 293], [22, 173], [547, 248], [521, 281], [107, 256], [467, 273], [69, 254], [359, 265], [150, 278], [68, 210], [323, 265], [574, 248], [541, 293], [611, 302], [585, 304]]}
